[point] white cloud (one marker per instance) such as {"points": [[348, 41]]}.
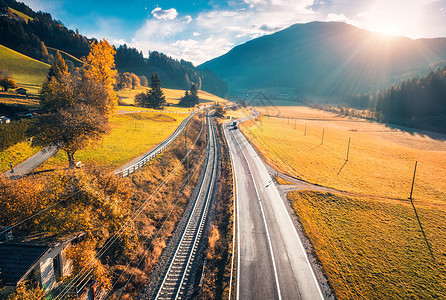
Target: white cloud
{"points": [[118, 42], [161, 14], [214, 32], [187, 19], [211, 33]]}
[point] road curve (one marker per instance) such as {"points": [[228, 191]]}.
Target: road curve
{"points": [[272, 263]]}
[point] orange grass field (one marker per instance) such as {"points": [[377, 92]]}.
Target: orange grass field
{"points": [[381, 159], [374, 249]]}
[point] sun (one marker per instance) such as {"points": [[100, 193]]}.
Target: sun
{"points": [[394, 18], [387, 30]]}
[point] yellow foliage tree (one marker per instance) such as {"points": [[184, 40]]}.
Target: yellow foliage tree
{"points": [[99, 66], [25, 292], [84, 260]]}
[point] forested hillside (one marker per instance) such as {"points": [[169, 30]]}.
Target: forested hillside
{"points": [[416, 102], [37, 35], [179, 74], [26, 37]]}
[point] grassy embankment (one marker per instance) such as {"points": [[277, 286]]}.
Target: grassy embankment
{"points": [[16, 154], [29, 73], [370, 247], [131, 136]]}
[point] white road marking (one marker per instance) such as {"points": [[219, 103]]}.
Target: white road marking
{"points": [[266, 226], [295, 232]]}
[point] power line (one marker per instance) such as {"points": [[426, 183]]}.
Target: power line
{"points": [[154, 237], [81, 276]]}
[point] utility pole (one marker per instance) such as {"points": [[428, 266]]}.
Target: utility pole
{"points": [[187, 154], [305, 130], [413, 180], [416, 213], [323, 132], [348, 148], [295, 124], [288, 120]]}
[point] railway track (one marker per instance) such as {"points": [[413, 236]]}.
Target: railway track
{"points": [[177, 275]]}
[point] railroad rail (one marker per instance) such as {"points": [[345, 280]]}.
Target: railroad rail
{"points": [[157, 149], [174, 282]]}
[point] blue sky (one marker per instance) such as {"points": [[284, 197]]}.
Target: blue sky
{"points": [[203, 29]]}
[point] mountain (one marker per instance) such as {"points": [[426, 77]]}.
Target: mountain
{"points": [[326, 59]]}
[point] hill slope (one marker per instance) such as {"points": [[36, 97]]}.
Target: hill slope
{"points": [[29, 73], [325, 58]]}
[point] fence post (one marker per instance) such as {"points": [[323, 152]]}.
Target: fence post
{"points": [[348, 148], [323, 132]]}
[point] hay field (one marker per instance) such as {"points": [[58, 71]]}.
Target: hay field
{"points": [[381, 159], [373, 249], [131, 136]]}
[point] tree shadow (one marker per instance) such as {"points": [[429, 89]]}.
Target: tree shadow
{"points": [[440, 136]]}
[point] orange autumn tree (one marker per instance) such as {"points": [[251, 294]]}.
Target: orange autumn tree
{"points": [[99, 66], [84, 257]]}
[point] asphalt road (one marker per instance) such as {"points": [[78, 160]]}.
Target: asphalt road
{"points": [[31, 163], [272, 263]]}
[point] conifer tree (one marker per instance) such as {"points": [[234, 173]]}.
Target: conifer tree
{"points": [[194, 95], [190, 99], [156, 97]]}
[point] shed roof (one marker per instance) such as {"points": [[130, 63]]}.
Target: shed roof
{"points": [[16, 260]]}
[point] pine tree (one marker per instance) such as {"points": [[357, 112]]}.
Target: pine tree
{"points": [[156, 98], [194, 95], [185, 100], [190, 99]]}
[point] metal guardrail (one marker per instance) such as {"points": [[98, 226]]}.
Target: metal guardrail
{"points": [[158, 148]]}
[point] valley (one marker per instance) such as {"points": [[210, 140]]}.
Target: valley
{"points": [[222, 150]]}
